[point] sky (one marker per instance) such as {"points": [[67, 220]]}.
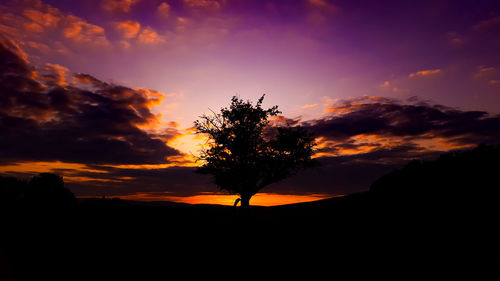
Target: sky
{"points": [[105, 92]]}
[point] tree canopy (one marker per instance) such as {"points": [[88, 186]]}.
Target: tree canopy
{"points": [[245, 152]]}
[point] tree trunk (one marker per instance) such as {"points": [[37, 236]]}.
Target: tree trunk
{"points": [[245, 200]]}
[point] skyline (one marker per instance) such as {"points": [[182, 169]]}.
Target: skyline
{"points": [[105, 92]]}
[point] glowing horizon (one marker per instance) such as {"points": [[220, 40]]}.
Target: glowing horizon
{"points": [[260, 199]]}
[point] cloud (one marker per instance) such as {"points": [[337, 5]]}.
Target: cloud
{"points": [[280, 120], [181, 181], [345, 105], [173, 124], [129, 28], [426, 72], [206, 5], [39, 47], [120, 6], [83, 32], [485, 70], [305, 106], [29, 16], [149, 36], [44, 117], [319, 11], [367, 124], [46, 19], [89, 80], [322, 5], [487, 25], [163, 11], [486, 73], [54, 75], [479, 39], [43, 24], [372, 136]]}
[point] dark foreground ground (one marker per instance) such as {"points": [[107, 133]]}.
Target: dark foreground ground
{"points": [[430, 220], [356, 234]]}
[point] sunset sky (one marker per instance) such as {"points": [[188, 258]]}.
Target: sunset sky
{"points": [[105, 92]]}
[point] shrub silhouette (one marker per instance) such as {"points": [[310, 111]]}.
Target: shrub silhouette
{"points": [[245, 154]]}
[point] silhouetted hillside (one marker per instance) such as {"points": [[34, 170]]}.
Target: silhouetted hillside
{"points": [[430, 216], [465, 182]]}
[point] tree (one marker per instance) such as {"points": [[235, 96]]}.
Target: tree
{"points": [[47, 190], [245, 153]]}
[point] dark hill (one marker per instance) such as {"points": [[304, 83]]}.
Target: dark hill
{"points": [[436, 215]]}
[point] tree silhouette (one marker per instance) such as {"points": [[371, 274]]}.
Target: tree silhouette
{"points": [[244, 153], [47, 190], [43, 192], [11, 191]]}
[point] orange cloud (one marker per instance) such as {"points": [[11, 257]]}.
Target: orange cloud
{"points": [[343, 108], [173, 124], [35, 19], [183, 160], [128, 29], [359, 144], [96, 179], [122, 6], [32, 27], [70, 171], [152, 97], [366, 143], [280, 120], [54, 74], [486, 72], [14, 47], [83, 32], [88, 79], [210, 5], [50, 22], [40, 47], [149, 36], [431, 142], [425, 73], [48, 167], [48, 19], [309, 105], [163, 10]]}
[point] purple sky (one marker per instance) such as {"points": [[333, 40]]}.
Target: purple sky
{"points": [[320, 60]]}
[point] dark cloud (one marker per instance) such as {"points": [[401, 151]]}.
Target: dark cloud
{"points": [[391, 119], [76, 123], [347, 174], [399, 131], [176, 181]]}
